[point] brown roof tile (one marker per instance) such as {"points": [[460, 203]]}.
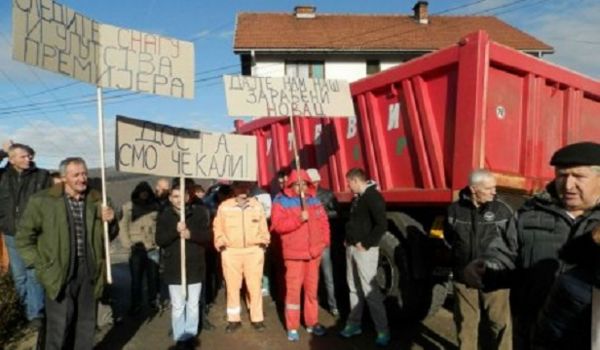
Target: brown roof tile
{"points": [[272, 31]]}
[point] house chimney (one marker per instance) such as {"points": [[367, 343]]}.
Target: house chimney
{"points": [[304, 11], [420, 10]]}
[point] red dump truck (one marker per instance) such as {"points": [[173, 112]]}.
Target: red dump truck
{"points": [[421, 128]]}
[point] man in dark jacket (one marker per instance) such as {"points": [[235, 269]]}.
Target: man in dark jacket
{"points": [[330, 204], [19, 179], [550, 236], [475, 220], [364, 230], [61, 236], [195, 231]]}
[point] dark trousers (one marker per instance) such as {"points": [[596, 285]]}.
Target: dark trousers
{"points": [[140, 265], [71, 318]]}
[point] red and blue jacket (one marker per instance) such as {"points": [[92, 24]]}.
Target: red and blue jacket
{"points": [[301, 240]]}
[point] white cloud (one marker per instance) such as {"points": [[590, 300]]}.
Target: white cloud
{"points": [[225, 34], [573, 32], [53, 142], [201, 34]]}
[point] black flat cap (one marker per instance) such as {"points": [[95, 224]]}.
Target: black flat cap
{"points": [[581, 153]]}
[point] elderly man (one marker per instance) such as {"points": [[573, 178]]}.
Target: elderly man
{"points": [[550, 236], [475, 220], [61, 236], [20, 179]]}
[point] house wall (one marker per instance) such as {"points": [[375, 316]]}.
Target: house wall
{"points": [[344, 67]]}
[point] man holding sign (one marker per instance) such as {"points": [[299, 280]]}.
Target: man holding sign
{"points": [[61, 236], [195, 230]]}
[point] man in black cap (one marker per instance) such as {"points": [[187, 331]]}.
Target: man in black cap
{"points": [[552, 261]]}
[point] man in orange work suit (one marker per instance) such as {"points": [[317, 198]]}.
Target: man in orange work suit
{"points": [[242, 235]]}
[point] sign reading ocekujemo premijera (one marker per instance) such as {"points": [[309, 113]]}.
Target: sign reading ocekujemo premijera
{"points": [[285, 96], [158, 149], [56, 38]]}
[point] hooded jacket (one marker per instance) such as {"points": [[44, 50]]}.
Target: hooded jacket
{"points": [[301, 240], [138, 224], [368, 220]]}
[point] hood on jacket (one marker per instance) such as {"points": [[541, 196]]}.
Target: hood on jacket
{"points": [[144, 206], [293, 177]]}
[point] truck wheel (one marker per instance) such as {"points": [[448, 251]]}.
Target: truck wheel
{"points": [[388, 272], [404, 270], [439, 293]]}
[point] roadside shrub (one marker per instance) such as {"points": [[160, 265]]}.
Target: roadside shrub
{"points": [[12, 317]]}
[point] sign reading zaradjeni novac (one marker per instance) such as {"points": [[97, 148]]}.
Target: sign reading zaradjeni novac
{"points": [[158, 149], [287, 96], [56, 38]]}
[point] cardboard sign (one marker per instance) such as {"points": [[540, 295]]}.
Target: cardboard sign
{"points": [[56, 38], [158, 149], [285, 96]]}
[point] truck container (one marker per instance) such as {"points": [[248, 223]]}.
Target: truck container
{"points": [[421, 128]]}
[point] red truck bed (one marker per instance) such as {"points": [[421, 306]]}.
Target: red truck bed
{"points": [[423, 126]]}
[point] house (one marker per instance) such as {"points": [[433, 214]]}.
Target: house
{"points": [[351, 46]]}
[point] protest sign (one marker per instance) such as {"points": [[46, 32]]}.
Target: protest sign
{"points": [[56, 38], [287, 96], [151, 148]]}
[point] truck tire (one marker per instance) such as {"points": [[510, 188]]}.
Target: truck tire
{"points": [[403, 272], [388, 271]]}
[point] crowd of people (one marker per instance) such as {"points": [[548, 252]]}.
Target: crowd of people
{"points": [[524, 278]]}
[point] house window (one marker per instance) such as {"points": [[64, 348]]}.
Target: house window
{"points": [[373, 66], [246, 64], [305, 69]]}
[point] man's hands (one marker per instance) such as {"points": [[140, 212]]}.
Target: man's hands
{"points": [[108, 214], [359, 247], [183, 230], [304, 215], [6, 145], [473, 273]]}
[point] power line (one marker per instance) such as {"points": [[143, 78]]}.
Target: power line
{"points": [[52, 103], [90, 97], [117, 98]]}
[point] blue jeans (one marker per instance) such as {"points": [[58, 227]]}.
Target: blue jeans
{"points": [[327, 269], [185, 313], [29, 289]]}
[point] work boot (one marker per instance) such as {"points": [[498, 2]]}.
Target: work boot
{"points": [[233, 326]]}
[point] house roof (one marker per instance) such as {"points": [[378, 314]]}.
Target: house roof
{"points": [[359, 32]]}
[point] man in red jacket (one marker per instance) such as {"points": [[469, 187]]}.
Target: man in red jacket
{"points": [[298, 216]]}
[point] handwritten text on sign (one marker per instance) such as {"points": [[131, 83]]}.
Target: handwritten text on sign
{"points": [[150, 148], [54, 37], [284, 96]]}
